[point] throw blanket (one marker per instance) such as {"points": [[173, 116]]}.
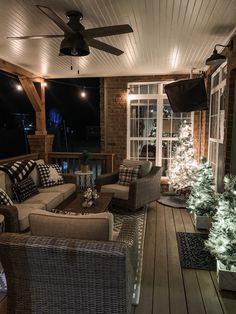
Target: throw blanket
{"points": [[18, 170]]}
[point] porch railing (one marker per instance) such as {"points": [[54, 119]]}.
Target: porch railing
{"points": [[99, 163], [70, 162]]}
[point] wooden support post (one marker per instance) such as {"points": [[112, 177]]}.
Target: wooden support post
{"points": [[37, 99]]}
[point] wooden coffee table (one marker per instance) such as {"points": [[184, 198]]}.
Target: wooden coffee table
{"points": [[102, 204]]}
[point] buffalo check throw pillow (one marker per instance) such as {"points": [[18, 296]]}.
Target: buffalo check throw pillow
{"points": [[50, 175], [4, 198], [128, 174], [24, 189]]}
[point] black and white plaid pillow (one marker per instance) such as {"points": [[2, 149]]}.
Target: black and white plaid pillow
{"points": [[128, 174], [24, 189], [44, 173], [4, 198]]}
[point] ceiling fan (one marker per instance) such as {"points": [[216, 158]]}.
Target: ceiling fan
{"points": [[77, 39]]}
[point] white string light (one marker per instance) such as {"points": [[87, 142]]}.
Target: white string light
{"points": [[19, 87]]}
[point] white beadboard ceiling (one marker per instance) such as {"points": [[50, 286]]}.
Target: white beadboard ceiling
{"points": [[170, 36]]}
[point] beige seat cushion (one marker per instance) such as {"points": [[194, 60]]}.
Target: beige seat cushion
{"points": [[119, 191], [85, 227], [145, 166], [66, 189], [49, 200], [23, 213]]}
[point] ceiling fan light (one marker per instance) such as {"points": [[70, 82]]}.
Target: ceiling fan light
{"points": [[74, 45]]}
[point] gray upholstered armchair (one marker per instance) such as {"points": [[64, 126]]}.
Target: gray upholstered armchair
{"points": [[139, 193], [57, 275]]}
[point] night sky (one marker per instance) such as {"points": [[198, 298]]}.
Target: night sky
{"points": [[62, 96]]}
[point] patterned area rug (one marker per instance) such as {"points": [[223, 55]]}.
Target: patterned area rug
{"points": [[193, 253], [141, 217]]}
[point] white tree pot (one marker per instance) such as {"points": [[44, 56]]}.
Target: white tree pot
{"points": [[226, 278], [201, 222]]}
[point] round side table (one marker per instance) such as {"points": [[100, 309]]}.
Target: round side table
{"points": [[84, 180]]}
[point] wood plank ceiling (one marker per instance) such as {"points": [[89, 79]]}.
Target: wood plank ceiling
{"points": [[170, 36]]}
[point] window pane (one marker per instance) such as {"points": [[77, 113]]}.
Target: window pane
{"points": [[153, 89], [214, 104], [175, 127], [134, 112], [213, 128], [216, 80], [133, 128], [143, 111], [165, 149], [151, 150], [224, 72], [166, 128], [134, 149], [151, 127], [152, 113], [133, 89], [143, 89], [165, 166], [143, 149], [142, 128]]}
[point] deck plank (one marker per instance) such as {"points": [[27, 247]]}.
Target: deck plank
{"points": [[192, 290], [161, 285], [209, 294], [146, 296], [176, 287], [3, 303], [227, 298]]}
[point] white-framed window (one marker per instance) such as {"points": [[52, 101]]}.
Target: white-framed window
{"points": [[216, 124], [153, 128]]}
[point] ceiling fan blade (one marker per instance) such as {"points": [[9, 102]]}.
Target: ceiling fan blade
{"points": [[36, 37], [55, 18], [107, 31], [104, 47]]}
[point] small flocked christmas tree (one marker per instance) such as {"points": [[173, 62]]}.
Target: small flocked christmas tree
{"points": [[222, 237], [202, 200], [183, 166]]}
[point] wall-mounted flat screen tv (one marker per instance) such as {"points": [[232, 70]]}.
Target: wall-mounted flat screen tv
{"points": [[187, 95]]}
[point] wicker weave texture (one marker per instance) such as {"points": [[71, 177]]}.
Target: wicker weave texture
{"points": [[65, 276]]}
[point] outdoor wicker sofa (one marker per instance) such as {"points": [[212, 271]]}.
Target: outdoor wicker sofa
{"points": [[68, 276], [16, 215]]}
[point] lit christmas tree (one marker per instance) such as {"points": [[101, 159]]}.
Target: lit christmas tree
{"points": [[183, 166], [202, 200], [222, 237]]}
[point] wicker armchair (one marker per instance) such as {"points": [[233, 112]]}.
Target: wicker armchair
{"points": [[139, 193], [66, 276]]}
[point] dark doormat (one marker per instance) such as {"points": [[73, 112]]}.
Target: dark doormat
{"points": [[172, 200], [193, 253]]}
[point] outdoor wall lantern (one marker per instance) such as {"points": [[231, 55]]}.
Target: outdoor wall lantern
{"points": [[217, 58]]}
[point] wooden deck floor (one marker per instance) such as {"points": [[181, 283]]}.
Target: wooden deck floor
{"points": [[166, 288]]}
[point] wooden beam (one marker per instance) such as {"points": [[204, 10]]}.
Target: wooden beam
{"points": [[37, 99], [31, 92], [15, 69]]}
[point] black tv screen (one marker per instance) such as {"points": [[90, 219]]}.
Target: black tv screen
{"points": [[187, 95]]}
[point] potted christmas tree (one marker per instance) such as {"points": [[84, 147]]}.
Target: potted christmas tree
{"points": [[84, 161], [183, 165], [222, 237], [202, 200]]}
